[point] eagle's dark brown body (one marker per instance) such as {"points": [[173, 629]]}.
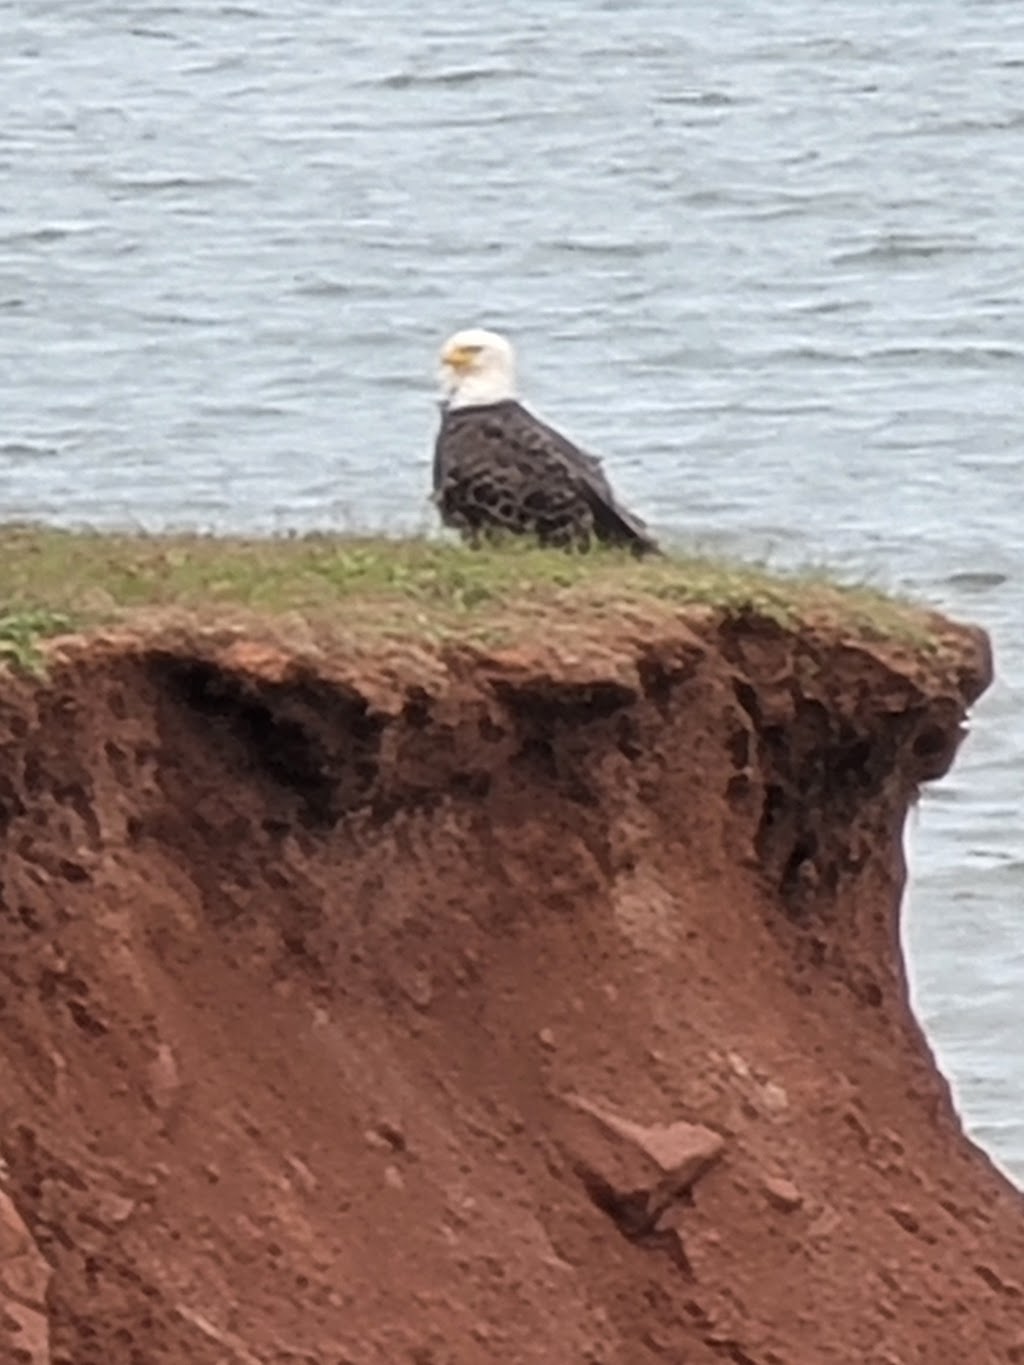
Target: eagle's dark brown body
{"points": [[498, 470]]}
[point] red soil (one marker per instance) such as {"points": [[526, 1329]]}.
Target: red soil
{"points": [[444, 1007]]}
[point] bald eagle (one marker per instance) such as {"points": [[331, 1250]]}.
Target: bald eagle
{"points": [[499, 470]]}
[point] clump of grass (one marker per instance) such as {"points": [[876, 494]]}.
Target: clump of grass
{"points": [[412, 585], [21, 633]]}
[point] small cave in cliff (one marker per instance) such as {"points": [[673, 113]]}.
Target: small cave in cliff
{"points": [[306, 736]]}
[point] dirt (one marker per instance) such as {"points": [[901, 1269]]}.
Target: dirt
{"points": [[430, 1005]]}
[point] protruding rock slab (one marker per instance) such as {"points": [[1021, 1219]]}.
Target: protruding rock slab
{"points": [[635, 1172]]}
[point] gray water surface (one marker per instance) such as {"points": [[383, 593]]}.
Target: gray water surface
{"points": [[767, 257]]}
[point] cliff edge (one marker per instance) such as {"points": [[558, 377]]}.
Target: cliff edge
{"points": [[444, 1000]]}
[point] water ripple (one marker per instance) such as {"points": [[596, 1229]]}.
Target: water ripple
{"points": [[455, 77]]}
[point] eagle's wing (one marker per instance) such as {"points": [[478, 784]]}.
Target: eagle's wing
{"points": [[591, 470], [501, 466]]}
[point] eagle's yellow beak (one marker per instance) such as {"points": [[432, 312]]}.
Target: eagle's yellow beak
{"points": [[459, 358]]}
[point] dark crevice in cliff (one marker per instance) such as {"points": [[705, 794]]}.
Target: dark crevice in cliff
{"points": [[315, 739], [825, 758]]}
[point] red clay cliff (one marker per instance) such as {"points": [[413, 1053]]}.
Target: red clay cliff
{"points": [[441, 1006]]}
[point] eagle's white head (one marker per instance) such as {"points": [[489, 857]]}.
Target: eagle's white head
{"points": [[477, 366]]}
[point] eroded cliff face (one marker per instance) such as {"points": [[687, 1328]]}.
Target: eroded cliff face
{"points": [[445, 1005]]}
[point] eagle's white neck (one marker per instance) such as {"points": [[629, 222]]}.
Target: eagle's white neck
{"points": [[471, 390]]}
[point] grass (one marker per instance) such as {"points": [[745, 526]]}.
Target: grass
{"points": [[52, 580], [21, 633]]}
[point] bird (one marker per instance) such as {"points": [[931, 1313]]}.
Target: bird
{"points": [[499, 471]]}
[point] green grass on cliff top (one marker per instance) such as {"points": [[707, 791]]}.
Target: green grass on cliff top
{"points": [[53, 580]]}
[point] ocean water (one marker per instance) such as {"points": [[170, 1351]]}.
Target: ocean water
{"points": [[765, 256]]}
